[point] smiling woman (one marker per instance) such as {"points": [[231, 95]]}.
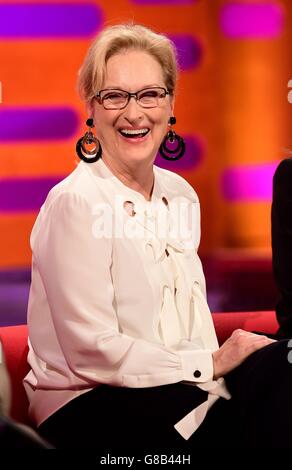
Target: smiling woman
{"points": [[130, 125], [123, 351], [134, 70]]}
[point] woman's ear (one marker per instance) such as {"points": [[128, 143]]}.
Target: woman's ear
{"points": [[172, 101], [90, 108]]}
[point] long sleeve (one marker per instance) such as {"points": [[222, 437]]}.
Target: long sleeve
{"points": [[75, 269]]}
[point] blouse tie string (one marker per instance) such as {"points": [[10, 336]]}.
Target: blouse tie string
{"points": [[184, 314]]}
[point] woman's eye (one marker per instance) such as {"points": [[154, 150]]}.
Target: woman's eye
{"points": [[149, 94], [113, 96]]}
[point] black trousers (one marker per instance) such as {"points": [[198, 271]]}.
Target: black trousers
{"points": [[259, 414], [281, 244]]}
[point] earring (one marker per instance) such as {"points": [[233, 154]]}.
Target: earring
{"points": [[88, 155], [170, 138]]}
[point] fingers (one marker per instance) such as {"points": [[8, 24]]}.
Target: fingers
{"points": [[261, 342], [238, 334], [248, 342], [236, 349]]}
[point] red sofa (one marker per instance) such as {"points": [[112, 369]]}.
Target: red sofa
{"points": [[14, 341]]}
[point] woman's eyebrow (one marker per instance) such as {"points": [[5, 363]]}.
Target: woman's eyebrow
{"points": [[116, 87]]}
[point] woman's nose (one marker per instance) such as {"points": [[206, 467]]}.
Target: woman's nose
{"points": [[133, 110]]}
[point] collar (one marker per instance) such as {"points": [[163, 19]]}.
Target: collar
{"points": [[100, 169]]}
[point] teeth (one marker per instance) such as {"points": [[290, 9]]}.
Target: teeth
{"points": [[134, 131]]}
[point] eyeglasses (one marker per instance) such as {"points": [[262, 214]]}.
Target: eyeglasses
{"points": [[118, 99]]}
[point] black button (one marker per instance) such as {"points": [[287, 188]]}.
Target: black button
{"points": [[197, 374]]}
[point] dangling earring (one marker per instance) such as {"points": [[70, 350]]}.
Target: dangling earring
{"points": [[88, 155], [171, 137]]}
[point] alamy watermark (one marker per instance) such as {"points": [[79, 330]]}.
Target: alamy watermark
{"points": [[289, 345], [179, 220]]}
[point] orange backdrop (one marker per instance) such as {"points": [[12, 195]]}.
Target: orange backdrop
{"points": [[234, 101]]}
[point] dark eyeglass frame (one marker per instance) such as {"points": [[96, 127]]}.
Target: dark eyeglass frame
{"points": [[131, 95]]}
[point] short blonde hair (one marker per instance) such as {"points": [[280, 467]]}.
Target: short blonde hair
{"points": [[118, 38]]}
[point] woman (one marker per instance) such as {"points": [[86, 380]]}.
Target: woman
{"points": [[123, 351]]}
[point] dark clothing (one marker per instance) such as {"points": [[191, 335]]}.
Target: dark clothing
{"points": [[282, 244], [111, 418], [15, 436]]}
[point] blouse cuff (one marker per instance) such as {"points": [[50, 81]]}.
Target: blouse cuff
{"points": [[197, 366]]}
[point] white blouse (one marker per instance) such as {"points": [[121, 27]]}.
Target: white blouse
{"points": [[118, 293]]}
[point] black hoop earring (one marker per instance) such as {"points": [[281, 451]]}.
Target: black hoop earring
{"points": [[88, 155], [172, 137]]}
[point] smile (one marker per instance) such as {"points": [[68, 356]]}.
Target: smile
{"points": [[136, 134]]}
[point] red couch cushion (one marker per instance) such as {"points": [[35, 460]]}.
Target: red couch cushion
{"points": [[226, 323], [14, 341]]}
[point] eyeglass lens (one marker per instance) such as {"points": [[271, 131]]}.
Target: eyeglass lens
{"points": [[115, 99]]}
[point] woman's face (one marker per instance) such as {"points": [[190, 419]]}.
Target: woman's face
{"points": [[132, 71]]}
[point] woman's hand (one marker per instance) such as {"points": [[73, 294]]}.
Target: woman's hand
{"points": [[236, 349]]}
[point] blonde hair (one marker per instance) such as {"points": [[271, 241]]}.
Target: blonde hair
{"points": [[118, 38]]}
